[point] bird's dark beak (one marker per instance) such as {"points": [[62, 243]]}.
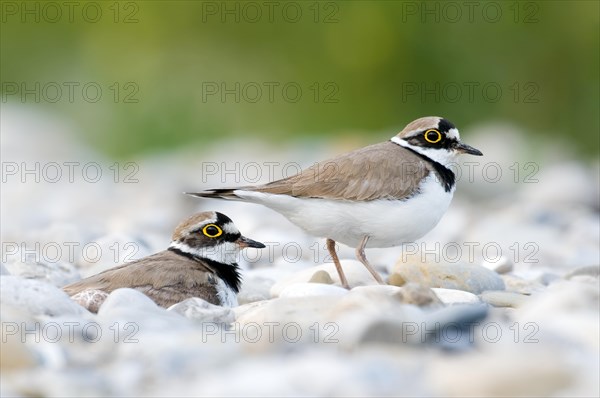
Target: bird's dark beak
{"points": [[464, 148], [245, 242]]}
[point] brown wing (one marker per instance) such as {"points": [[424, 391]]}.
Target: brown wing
{"points": [[380, 171], [166, 277]]}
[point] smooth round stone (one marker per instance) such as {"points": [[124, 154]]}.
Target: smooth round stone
{"points": [[14, 354], [286, 320], [355, 272], [249, 309], [567, 309], [321, 277], [385, 331], [130, 305], [37, 297], [522, 370], [502, 266], [396, 280], [200, 310], [591, 270], [376, 290], [419, 295], [312, 289], [246, 297], [517, 284], [547, 278], [410, 293], [373, 302], [504, 299], [585, 279], [58, 274], [453, 296], [302, 310], [254, 288], [125, 300], [471, 278], [139, 317], [424, 327], [575, 227]]}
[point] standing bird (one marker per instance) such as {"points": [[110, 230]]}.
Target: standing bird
{"points": [[382, 195], [200, 262]]}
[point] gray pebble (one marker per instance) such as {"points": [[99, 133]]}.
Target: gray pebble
{"points": [[203, 311], [471, 278], [504, 299], [37, 297], [503, 266], [590, 270], [58, 274]]}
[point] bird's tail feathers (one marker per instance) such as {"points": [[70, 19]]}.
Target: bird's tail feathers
{"points": [[220, 193]]}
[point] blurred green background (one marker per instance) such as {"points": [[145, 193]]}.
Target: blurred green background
{"points": [[302, 69]]}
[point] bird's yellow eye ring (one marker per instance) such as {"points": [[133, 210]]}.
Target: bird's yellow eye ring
{"points": [[212, 231], [433, 136]]}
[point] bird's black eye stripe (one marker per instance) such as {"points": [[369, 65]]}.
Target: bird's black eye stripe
{"points": [[444, 143], [232, 237]]}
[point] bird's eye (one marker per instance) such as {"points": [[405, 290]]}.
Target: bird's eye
{"points": [[212, 231], [433, 136]]}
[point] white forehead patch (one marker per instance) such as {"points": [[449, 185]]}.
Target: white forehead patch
{"points": [[229, 228], [453, 133]]}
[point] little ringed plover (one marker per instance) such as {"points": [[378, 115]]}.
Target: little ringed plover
{"points": [[383, 195], [200, 262]]}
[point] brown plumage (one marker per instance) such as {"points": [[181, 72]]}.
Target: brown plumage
{"points": [[166, 277], [380, 171]]}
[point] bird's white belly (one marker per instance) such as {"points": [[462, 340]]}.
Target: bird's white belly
{"points": [[387, 222], [226, 294]]}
